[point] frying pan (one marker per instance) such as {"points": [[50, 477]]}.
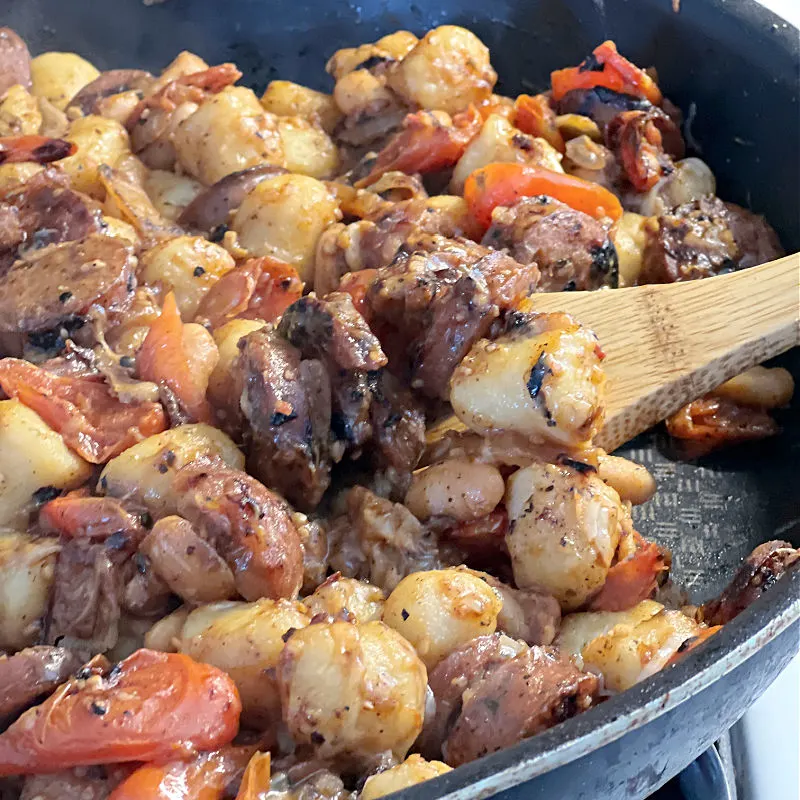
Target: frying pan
{"points": [[735, 66]]}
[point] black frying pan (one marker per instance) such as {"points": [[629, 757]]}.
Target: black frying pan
{"points": [[737, 65]]}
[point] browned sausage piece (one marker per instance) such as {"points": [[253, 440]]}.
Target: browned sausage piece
{"points": [[331, 328], [50, 214], [572, 249], [189, 565], [438, 307], [42, 212], [507, 280], [398, 431], [692, 241], [704, 238], [212, 207], [15, 61], [113, 81], [86, 595], [755, 238], [30, 673], [287, 407], [517, 699], [765, 565], [54, 285], [453, 675], [247, 524]]}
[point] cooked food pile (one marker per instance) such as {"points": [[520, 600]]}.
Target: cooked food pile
{"points": [[241, 554]]}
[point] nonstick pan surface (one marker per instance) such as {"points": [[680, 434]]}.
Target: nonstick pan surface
{"points": [[733, 67]]}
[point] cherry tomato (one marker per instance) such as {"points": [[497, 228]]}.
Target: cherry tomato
{"points": [[631, 580], [426, 144], [150, 707], [209, 776], [81, 517], [92, 422], [261, 288], [166, 360], [607, 68], [40, 149], [534, 116], [503, 184]]}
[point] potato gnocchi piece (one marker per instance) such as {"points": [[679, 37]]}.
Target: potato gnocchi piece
{"points": [[27, 568], [14, 174], [441, 610], [759, 387], [543, 381], [448, 69], [32, 457], [307, 149], [287, 99], [170, 193], [284, 217], [352, 691], [629, 238], [246, 640], [457, 488], [145, 472], [628, 646], [691, 179], [563, 532], [362, 94], [339, 595], [415, 769], [165, 635], [227, 339], [393, 47], [119, 229], [632, 482], [185, 63], [19, 113], [60, 76], [188, 266], [100, 141], [500, 141], [229, 132]]}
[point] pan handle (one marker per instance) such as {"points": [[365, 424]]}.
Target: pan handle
{"points": [[706, 778]]}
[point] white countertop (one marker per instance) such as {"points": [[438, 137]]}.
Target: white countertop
{"points": [[771, 728], [788, 9]]}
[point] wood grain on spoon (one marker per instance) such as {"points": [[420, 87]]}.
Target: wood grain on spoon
{"points": [[669, 344]]}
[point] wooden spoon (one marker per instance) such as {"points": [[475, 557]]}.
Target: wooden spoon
{"points": [[669, 344]]}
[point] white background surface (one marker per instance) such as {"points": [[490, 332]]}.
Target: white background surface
{"points": [[772, 727], [788, 9]]}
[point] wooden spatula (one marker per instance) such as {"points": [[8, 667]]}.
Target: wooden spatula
{"points": [[668, 344]]}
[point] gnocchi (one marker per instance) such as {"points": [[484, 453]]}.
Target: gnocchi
{"points": [[32, 457], [58, 77], [246, 640], [146, 470], [228, 132], [564, 530], [440, 610], [188, 266], [352, 691], [542, 381], [284, 217]]}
